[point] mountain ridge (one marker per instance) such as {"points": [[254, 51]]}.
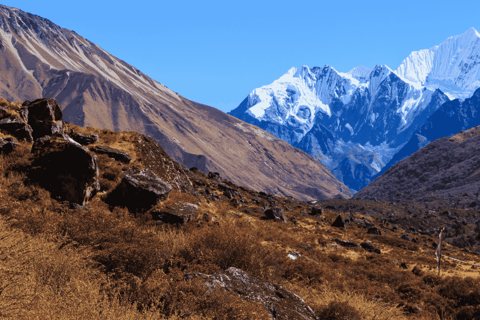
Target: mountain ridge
{"points": [[95, 89]]}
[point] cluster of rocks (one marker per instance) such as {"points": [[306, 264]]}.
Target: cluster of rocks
{"points": [[65, 167]]}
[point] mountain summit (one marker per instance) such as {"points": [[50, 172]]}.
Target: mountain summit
{"points": [[96, 89], [453, 66], [355, 122]]}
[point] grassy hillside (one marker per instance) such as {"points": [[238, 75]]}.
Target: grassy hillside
{"points": [[107, 263]]}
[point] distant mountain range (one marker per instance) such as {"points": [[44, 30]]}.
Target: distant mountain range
{"points": [[356, 122], [40, 59]]}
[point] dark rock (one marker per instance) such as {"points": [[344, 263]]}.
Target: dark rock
{"points": [[330, 207], [306, 246], [45, 117], [3, 112], [78, 206], [16, 128], [194, 169], [85, 139], [7, 145], [405, 237], [316, 211], [24, 114], [346, 243], [214, 175], [118, 155], [417, 271], [473, 204], [415, 240], [279, 302], [65, 168], [179, 212], [374, 230], [276, 214], [339, 222], [403, 265], [139, 191], [367, 245]]}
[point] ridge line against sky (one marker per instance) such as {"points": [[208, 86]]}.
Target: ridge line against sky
{"points": [[216, 53]]}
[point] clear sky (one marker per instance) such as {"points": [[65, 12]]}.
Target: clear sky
{"points": [[217, 52]]}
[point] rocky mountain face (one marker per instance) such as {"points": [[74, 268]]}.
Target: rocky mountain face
{"points": [[452, 117], [95, 89], [355, 122], [447, 167]]}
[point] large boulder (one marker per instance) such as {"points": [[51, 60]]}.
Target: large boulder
{"points": [[140, 191], [112, 153], [178, 213], [279, 302], [65, 168], [44, 116], [7, 145], [17, 128]]}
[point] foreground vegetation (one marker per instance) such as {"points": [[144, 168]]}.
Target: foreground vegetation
{"points": [[106, 263]]}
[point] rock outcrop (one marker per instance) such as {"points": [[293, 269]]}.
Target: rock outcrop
{"points": [[179, 212], [140, 191], [17, 128], [45, 117], [112, 153], [279, 302], [7, 145], [84, 139], [65, 168]]}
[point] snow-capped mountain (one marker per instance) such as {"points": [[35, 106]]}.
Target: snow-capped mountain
{"points": [[355, 122], [453, 66]]}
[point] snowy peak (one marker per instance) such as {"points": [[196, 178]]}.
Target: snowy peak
{"points": [[453, 66], [360, 73]]}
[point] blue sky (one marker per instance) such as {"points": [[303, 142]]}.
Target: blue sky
{"points": [[217, 52]]}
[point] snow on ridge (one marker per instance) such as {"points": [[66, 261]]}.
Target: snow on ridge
{"points": [[451, 66]]}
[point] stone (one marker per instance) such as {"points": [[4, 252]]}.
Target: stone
{"points": [[405, 237], [178, 213], [275, 214], [279, 302], [374, 230], [45, 117], [7, 145], [85, 139], [17, 128], [65, 168], [116, 154], [214, 175], [347, 243], [316, 211], [339, 222], [403, 265], [367, 245], [140, 191]]}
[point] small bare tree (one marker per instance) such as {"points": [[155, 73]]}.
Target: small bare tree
{"points": [[439, 250]]}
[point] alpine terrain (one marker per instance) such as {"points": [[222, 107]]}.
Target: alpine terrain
{"points": [[39, 59], [355, 122]]}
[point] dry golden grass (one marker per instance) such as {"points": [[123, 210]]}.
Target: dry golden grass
{"points": [[60, 263]]}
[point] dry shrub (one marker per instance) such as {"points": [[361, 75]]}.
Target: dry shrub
{"points": [[231, 244], [336, 310]]}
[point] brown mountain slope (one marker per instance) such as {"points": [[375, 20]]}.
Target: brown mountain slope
{"points": [[447, 167], [95, 89]]}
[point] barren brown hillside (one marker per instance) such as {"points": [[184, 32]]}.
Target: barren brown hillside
{"points": [[446, 167], [95, 89]]}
